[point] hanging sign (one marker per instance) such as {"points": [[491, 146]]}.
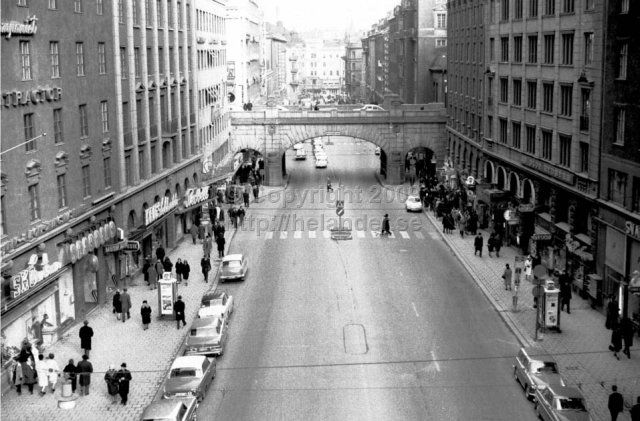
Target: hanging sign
{"points": [[29, 278], [160, 208], [122, 246]]}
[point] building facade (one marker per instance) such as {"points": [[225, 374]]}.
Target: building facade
{"points": [[353, 72]]}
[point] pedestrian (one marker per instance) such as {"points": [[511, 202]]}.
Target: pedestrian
{"points": [[42, 374], [110, 377], [218, 229], [179, 270], [178, 308], [85, 368], [612, 313], [205, 264], [462, 225], [241, 214], [497, 244], [125, 301], [28, 371], [220, 241], [478, 243], [635, 410], [26, 353], [145, 269], [616, 341], [53, 372], [117, 304], [616, 403], [627, 331], [167, 264], [160, 253], [194, 231], [565, 295], [233, 215], [159, 269], [491, 243], [245, 196], [386, 228], [207, 246], [16, 375], [528, 268], [70, 374], [153, 276], [256, 192], [124, 377], [506, 275], [145, 312], [36, 331], [329, 188], [185, 271], [86, 333]]}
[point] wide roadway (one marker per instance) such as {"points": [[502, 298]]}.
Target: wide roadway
{"points": [[364, 329]]}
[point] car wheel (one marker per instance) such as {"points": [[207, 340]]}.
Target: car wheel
{"points": [[527, 391]]}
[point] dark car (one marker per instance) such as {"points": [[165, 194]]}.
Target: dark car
{"points": [[535, 368], [190, 376], [561, 403], [207, 336], [179, 409]]}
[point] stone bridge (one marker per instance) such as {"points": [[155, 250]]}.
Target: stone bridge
{"points": [[397, 131]]}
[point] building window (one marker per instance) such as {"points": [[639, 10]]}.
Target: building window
{"points": [[622, 60], [565, 150], [58, 136], [516, 129], [547, 97], [159, 13], [490, 127], [624, 8], [134, 12], [136, 61], [53, 4], [54, 58], [62, 191], [84, 120], [568, 6], [106, 171], [532, 94], [104, 116], [533, 8], [99, 7], [635, 195], [25, 59], [504, 89], [180, 16], [79, 58], [77, 6], [549, 41], [102, 58], [154, 162], [86, 181], [121, 11], [123, 62], [588, 48], [29, 132], [549, 7], [492, 49], [547, 144], [504, 49], [517, 92], [440, 42], [490, 91], [617, 186], [585, 109], [517, 49], [590, 4], [22, 3], [441, 20], [170, 14], [531, 140], [567, 49], [503, 130], [533, 48], [517, 13], [34, 202], [619, 126], [584, 157], [504, 10], [566, 100]]}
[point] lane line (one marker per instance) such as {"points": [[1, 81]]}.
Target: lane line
{"points": [[419, 235], [283, 235], [326, 234], [312, 234], [435, 361], [414, 309], [404, 234], [268, 235], [434, 235], [360, 234], [297, 234]]}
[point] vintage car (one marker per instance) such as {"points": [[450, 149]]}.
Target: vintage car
{"points": [[216, 303], [560, 403], [413, 204], [207, 336], [178, 409], [535, 368], [233, 266], [189, 376]]}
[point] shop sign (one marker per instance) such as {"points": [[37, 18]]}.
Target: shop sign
{"points": [[195, 196], [161, 208], [632, 229], [548, 169], [33, 96], [29, 278], [122, 246], [28, 27], [634, 283]]}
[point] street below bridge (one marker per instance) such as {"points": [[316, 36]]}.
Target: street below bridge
{"points": [[365, 329]]}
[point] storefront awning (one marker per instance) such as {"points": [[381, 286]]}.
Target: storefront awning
{"points": [[540, 234], [563, 226], [584, 239]]}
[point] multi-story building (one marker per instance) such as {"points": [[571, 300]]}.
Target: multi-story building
{"points": [[321, 66], [375, 53], [245, 30], [276, 65], [353, 72]]}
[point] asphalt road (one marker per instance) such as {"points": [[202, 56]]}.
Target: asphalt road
{"points": [[364, 329]]}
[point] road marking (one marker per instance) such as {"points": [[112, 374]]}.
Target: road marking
{"points": [[326, 234], [415, 310], [404, 234], [434, 235], [419, 235], [392, 235], [375, 234], [268, 235], [435, 361], [360, 234], [297, 234], [283, 235], [312, 234]]}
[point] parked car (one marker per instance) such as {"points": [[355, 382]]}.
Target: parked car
{"points": [[561, 403], [189, 376], [370, 107], [301, 154], [233, 266], [207, 336], [322, 162], [179, 409], [534, 368], [321, 155], [413, 204], [217, 303]]}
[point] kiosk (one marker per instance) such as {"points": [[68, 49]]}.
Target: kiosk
{"points": [[167, 294]]}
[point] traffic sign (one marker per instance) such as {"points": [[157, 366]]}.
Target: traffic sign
{"points": [[540, 271], [339, 203], [339, 211]]}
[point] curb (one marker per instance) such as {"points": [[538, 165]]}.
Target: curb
{"points": [[505, 315]]}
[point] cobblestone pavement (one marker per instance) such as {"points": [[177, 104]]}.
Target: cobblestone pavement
{"points": [[148, 354], [581, 348]]}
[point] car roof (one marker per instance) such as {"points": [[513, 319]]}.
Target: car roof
{"points": [[209, 321], [412, 196], [166, 407], [230, 257], [189, 361], [565, 391], [212, 295], [538, 354]]}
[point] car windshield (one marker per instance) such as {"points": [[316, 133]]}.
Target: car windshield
{"points": [[216, 302], [231, 264], [414, 199], [544, 367], [571, 403], [203, 331], [184, 372]]}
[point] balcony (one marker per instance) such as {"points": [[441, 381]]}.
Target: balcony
{"points": [[584, 123]]}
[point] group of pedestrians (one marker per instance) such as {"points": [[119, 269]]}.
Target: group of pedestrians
{"points": [[616, 405]]}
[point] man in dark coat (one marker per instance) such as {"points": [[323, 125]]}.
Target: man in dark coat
{"points": [[160, 253], [124, 377], [220, 241], [145, 269], [86, 333], [245, 197], [69, 372], [117, 304], [565, 293], [167, 264], [256, 192], [145, 312], [616, 403], [185, 271], [205, 264], [84, 369], [194, 232], [178, 308], [125, 299], [386, 228], [627, 330], [478, 243]]}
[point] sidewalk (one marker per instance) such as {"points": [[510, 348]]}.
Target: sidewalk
{"points": [[148, 354], [581, 349]]}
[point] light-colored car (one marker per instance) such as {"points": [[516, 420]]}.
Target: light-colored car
{"points": [[378, 150], [321, 155], [178, 409], [233, 266], [298, 145], [207, 336], [534, 368], [218, 304], [370, 107], [322, 162], [301, 154], [413, 204], [561, 403], [189, 376]]}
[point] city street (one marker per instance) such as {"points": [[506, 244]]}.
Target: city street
{"points": [[362, 329]]}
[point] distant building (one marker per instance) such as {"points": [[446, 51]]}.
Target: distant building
{"points": [[353, 72]]}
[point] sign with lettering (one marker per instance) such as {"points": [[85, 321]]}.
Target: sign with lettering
{"points": [[632, 229], [33, 96], [31, 277], [27, 27], [161, 208], [548, 169], [195, 196], [122, 246]]}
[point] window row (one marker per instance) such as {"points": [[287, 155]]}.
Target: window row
{"points": [[163, 9], [78, 5], [26, 53], [209, 22], [617, 186], [506, 10], [209, 59]]}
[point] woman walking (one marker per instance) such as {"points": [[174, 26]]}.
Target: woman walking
{"points": [[110, 377], [145, 312], [179, 270], [185, 271], [117, 304]]}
